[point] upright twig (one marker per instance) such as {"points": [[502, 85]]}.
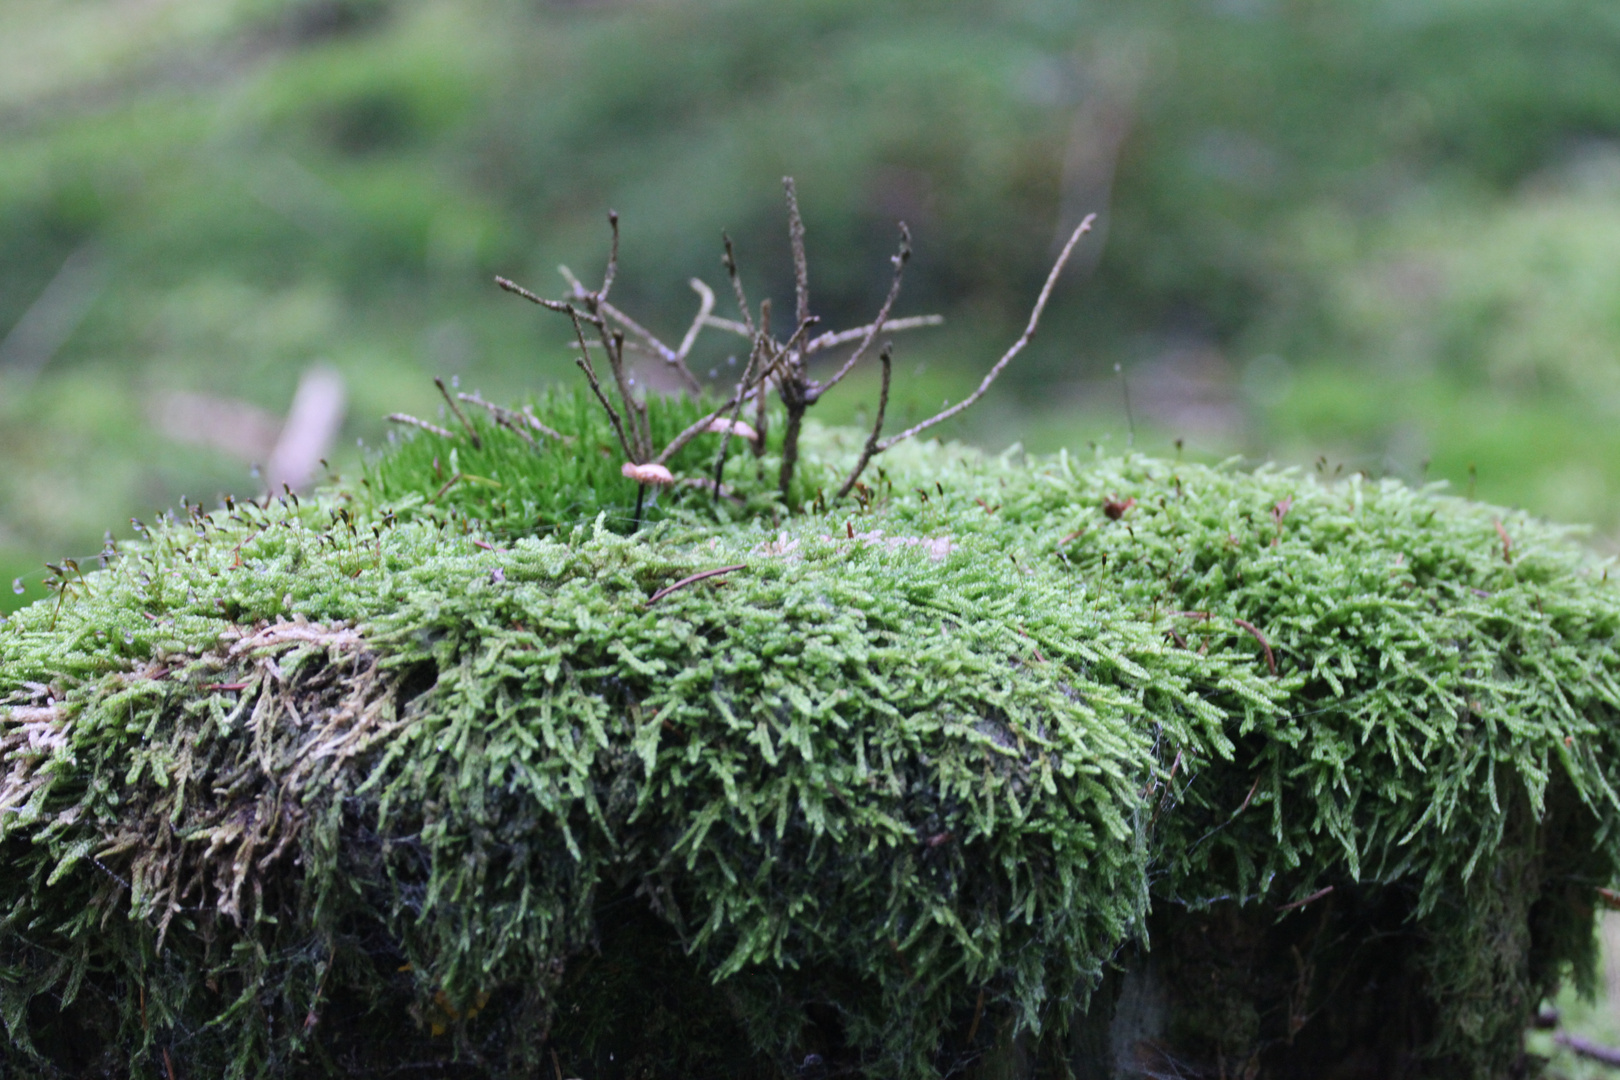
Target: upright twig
{"points": [[675, 358], [472, 434], [1007, 357], [877, 426], [801, 266], [898, 260], [737, 397], [613, 259], [584, 362], [729, 261]]}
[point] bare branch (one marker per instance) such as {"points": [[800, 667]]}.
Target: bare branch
{"points": [[503, 417], [729, 261], [550, 305], [584, 362], [762, 414], [877, 426], [1007, 357], [729, 325], [737, 396], [534, 422], [613, 259], [899, 260], [702, 425], [832, 339], [472, 434], [613, 345], [519, 422], [406, 418], [801, 266], [705, 305], [674, 358]]}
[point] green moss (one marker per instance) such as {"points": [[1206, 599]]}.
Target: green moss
{"points": [[396, 775]]}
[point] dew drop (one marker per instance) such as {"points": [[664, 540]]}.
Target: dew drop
{"points": [[17, 585], [129, 637], [731, 361]]}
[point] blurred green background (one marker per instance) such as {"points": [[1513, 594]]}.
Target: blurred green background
{"points": [[1375, 234]]}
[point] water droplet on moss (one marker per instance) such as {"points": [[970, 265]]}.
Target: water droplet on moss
{"points": [[17, 585]]}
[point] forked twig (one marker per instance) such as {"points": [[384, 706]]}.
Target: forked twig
{"points": [[675, 358], [1007, 357], [898, 260], [584, 362], [503, 417], [534, 298]]}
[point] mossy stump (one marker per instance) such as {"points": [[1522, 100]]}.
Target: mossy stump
{"points": [[1004, 767]]}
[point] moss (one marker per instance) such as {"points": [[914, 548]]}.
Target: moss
{"points": [[401, 775]]}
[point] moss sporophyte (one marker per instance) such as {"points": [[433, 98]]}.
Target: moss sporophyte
{"points": [[544, 771]]}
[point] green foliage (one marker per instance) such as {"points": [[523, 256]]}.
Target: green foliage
{"points": [[269, 182], [341, 783]]}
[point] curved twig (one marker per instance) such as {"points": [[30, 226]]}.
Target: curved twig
{"points": [[1007, 357]]}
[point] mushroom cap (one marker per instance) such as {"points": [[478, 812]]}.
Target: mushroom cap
{"points": [[720, 425], [647, 474]]}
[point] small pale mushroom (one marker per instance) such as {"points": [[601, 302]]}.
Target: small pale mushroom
{"points": [[720, 425], [647, 474]]}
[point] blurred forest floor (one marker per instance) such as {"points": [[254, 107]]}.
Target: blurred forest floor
{"points": [[1366, 234]]}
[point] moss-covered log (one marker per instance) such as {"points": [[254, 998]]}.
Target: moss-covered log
{"points": [[1022, 767]]}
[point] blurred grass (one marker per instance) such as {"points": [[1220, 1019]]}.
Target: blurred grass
{"points": [[1373, 231]]}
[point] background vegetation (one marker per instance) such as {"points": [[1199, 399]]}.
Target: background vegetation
{"points": [[1378, 231]]}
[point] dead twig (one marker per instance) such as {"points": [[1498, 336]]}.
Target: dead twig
{"points": [[833, 339], [1254, 632], [613, 259], [584, 362], [405, 418], [877, 427], [534, 422], [801, 267], [898, 260], [1249, 798], [1017, 346], [1311, 899], [685, 581], [503, 417], [472, 435]]}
